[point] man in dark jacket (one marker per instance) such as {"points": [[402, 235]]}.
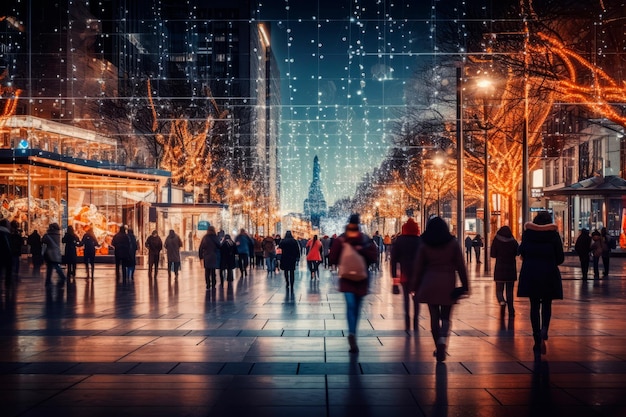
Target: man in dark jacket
{"points": [[582, 248], [404, 252], [154, 245], [121, 244]]}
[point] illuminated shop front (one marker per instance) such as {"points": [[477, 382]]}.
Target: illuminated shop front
{"points": [[46, 175]]}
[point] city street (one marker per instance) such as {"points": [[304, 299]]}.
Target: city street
{"points": [[251, 348]]}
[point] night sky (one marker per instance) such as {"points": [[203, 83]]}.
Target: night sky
{"points": [[344, 65]]}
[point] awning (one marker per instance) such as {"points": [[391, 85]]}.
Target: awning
{"points": [[605, 186]]}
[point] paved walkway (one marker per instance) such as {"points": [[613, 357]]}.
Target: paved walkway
{"points": [[167, 348]]}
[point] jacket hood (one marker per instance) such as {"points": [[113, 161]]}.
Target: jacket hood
{"points": [[505, 231], [436, 233]]}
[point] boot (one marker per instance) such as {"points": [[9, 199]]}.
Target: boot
{"points": [[353, 346], [407, 322]]}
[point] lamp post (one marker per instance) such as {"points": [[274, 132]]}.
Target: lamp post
{"points": [[460, 155], [486, 125]]}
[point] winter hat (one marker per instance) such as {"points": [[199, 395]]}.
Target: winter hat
{"points": [[543, 217], [410, 227], [353, 222]]}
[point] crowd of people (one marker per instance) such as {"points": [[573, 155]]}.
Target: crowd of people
{"points": [[427, 267]]}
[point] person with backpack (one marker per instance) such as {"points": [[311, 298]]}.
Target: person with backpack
{"points": [[353, 271]]}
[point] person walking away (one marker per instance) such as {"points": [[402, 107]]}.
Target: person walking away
{"points": [[132, 259], [325, 240], [477, 243], [583, 248], [258, 252], [245, 247], [608, 243], [387, 241], [172, 245], [17, 241], [209, 253], [121, 246], [290, 255], [378, 239], [52, 255], [504, 249], [540, 278], [228, 260], [154, 244], [34, 243], [596, 252], [6, 260], [354, 291], [71, 242], [314, 256], [434, 281], [403, 254], [269, 253], [89, 242], [468, 249]]}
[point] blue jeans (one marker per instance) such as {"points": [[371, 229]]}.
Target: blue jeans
{"points": [[353, 310], [271, 263]]}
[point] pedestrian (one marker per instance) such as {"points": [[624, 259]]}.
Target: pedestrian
{"points": [[121, 246], [378, 239], [89, 242], [468, 249], [132, 259], [325, 240], [314, 256], [17, 241], [269, 253], [596, 252], [228, 259], [290, 255], [34, 243], [477, 243], [354, 291], [154, 244], [403, 253], [71, 241], [258, 251], [540, 279], [6, 260], [209, 253], [434, 280], [52, 254], [172, 245], [608, 243], [583, 249], [504, 249], [245, 248], [387, 241]]}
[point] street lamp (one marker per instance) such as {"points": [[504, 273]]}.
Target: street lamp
{"points": [[485, 84], [439, 162]]}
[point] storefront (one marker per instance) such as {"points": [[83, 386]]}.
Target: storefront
{"points": [[48, 174]]}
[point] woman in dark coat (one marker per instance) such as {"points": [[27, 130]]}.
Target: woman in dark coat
{"points": [[434, 281], [90, 243], [354, 291], [404, 251], [582, 248], [209, 253], [228, 260], [132, 258], [504, 249], [540, 279], [289, 259], [34, 241], [71, 241]]}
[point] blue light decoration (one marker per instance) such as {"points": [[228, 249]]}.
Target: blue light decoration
{"points": [[22, 144]]}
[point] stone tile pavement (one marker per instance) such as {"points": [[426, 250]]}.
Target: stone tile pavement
{"points": [[251, 348]]}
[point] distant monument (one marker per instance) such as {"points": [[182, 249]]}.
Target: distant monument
{"points": [[315, 204]]}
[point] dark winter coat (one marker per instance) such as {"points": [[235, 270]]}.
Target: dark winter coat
{"points": [[71, 241], [228, 250], [209, 251], [404, 251], [90, 243], [134, 246], [583, 244], [542, 253], [173, 243], [6, 260], [363, 245], [504, 249], [155, 246], [52, 240], [290, 253], [439, 260], [121, 244], [34, 241]]}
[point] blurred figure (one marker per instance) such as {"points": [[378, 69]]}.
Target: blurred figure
{"points": [[314, 256], [504, 250], [403, 253], [269, 253], [245, 249], [16, 247], [439, 260], [209, 253], [228, 261], [121, 246], [52, 254], [6, 260], [71, 242], [477, 243], [34, 242], [154, 244], [90, 244], [583, 248], [132, 259], [540, 278], [173, 243], [469, 243], [290, 255]]}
